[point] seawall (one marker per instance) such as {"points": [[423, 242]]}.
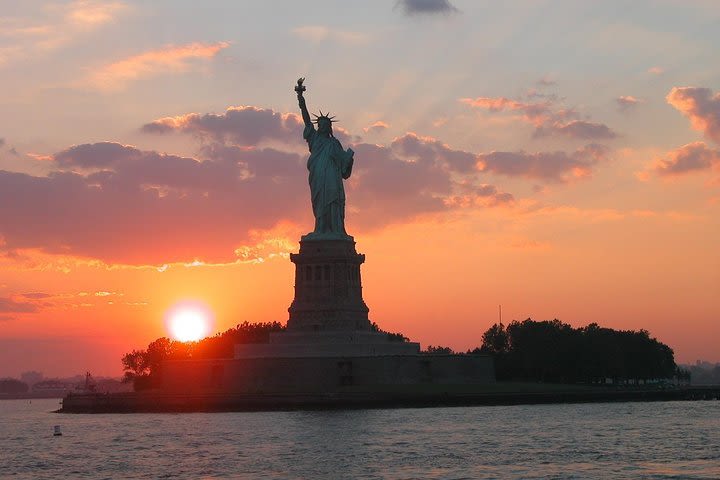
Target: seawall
{"points": [[139, 402]]}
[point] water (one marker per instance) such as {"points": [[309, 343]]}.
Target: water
{"points": [[612, 440]]}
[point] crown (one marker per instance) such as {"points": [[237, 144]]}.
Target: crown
{"points": [[326, 116]]}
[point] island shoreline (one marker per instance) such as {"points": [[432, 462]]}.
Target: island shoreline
{"points": [[157, 402]]}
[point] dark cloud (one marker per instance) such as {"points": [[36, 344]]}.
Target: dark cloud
{"points": [[473, 194], [425, 7], [692, 157], [548, 166], [8, 305], [96, 155], [700, 106], [2, 142], [429, 150], [547, 116], [239, 125], [578, 129]]}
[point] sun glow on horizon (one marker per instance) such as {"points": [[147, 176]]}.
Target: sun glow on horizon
{"points": [[189, 321]]}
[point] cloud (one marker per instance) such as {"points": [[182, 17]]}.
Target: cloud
{"points": [[376, 127], [547, 116], [170, 59], [53, 26], [319, 33], [35, 295], [627, 102], [475, 195], [8, 305], [243, 125], [425, 7], [40, 157], [2, 142], [428, 150], [86, 13], [689, 158], [700, 106], [578, 129], [548, 166], [96, 155], [123, 205], [546, 82], [656, 70], [145, 207]]}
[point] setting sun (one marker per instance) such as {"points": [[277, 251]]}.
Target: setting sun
{"points": [[189, 322]]}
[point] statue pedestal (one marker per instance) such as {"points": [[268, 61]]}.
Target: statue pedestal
{"points": [[328, 316], [328, 288]]}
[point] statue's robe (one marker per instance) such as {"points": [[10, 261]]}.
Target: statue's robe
{"points": [[328, 165]]}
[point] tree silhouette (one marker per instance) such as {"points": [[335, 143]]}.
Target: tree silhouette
{"points": [[553, 351], [144, 367]]}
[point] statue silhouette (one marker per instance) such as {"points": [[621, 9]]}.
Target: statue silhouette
{"points": [[328, 165]]}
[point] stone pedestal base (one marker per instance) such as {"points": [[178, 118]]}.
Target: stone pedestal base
{"points": [[328, 287], [328, 316]]}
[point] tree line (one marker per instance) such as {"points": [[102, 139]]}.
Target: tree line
{"points": [[142, 367], [528, 350], [553, 351]]}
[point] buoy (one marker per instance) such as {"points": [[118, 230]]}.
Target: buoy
{"points": [[56, 431]]}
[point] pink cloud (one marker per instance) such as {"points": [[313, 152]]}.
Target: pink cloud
{"points": [[242, 125], [548, 166], [145, 207], [546, 116], [86, 13], [376, 127], [700, 106], [124, 205], [689, 158], [171, 59], [120, 204], [627, 102]]}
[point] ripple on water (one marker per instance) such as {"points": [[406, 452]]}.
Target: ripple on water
{"points": [[648, 440]]}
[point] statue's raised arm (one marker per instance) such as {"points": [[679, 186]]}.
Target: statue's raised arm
{"points": [[300, 88]]}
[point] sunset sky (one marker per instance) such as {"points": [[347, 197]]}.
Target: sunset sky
{"points": [[560, 158]]}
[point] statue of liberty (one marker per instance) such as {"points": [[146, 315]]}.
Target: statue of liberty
{"points": [[328, 165]]}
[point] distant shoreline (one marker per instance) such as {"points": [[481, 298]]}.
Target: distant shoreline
{"points": [[158, 402], [30, 396]]}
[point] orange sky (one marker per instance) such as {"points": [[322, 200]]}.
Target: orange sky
{"points": [[153, 154]]}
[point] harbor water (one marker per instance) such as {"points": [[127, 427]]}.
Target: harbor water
{"points": [[600, 440]]}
